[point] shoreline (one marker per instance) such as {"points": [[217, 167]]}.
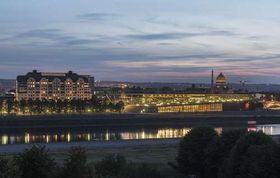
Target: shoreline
{"points": [[94, 145]]}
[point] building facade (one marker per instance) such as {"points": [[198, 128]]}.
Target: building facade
{"points": [[181, 102], [53, 86]]}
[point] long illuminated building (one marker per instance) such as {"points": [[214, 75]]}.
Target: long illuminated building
{"points": [[180, 102]]}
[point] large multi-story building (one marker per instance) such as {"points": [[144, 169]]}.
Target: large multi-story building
{"points": [[53, 86], [182, 102]]}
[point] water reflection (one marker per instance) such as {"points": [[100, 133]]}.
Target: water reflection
{"points": [[123, 134], [273, 129], [29, 138]]}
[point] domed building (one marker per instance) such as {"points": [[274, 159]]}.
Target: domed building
{"points": [[221, 80], [221, 83]]}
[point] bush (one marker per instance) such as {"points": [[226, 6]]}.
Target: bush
{"points": [[4, 168], [110, 166], [193, 151], [75, 166], [116, 166], [35, 163]]}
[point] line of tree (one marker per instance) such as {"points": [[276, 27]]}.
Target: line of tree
{"points": [[38, 163], [59, 106]]}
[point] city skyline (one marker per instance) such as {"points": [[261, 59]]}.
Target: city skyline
{"points": [[143, 40]]}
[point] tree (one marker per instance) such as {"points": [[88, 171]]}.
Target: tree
{"points": [[52, 106], [192, 151], [241, 153], [10, 106], [75, 166], [59, 106], [119, 106], [110, 106], [1, 107], [30, 105], [35, 163], [38, 106], [228, 140], [22, 106], [4, 168], [218, 150], [111, 166], [45, 105], [261, 161]]}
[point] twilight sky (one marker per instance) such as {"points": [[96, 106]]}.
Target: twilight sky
{"points": [[143, 40]]}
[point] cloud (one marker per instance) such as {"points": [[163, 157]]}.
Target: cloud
{"points": [[159, 36], [104, 63], [53, 35], [165, 44], [41, 33], [168, 36], [97, 16]]}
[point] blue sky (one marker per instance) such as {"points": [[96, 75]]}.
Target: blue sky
{"points": [[143, 40]]}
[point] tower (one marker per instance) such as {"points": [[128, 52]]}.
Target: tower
{"points": [[212, 81]]}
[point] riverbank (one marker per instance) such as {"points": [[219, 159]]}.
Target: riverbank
{"points": [[219, 119], [153, 151]]}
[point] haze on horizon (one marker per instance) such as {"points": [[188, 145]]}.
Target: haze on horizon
{"points": [[143, 40]]}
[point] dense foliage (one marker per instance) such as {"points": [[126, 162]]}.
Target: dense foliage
{"points": [[192, 151], [60, 106], [35, 163], [254, 155], [233, 154], [75, 164]]}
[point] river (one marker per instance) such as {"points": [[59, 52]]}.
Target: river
{"points": [[27, 136]]}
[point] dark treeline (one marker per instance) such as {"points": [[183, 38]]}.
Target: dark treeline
{"points": [[60, 106], [233, 154], [37, 163]]}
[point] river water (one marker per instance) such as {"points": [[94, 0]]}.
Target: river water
{"points": [[106, 134]]}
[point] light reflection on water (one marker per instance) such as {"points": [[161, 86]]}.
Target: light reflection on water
{"points": [[106, 135], [273, 129], [29, 138]]}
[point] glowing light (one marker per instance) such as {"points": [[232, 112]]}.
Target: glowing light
{"points": [[88, 137], [107, 135], [27, 138], [4, 139], [68, 137], [47, 138]]}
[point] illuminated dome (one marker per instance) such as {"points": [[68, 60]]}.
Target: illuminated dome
{"points": [[221, 79]]}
